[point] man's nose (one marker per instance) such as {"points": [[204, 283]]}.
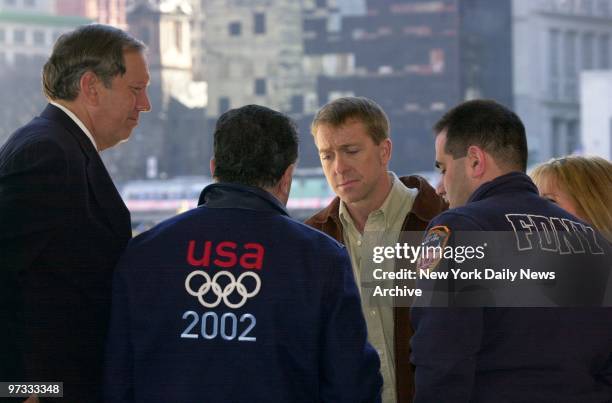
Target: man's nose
{"points": [[340, 165], [142, 102]]}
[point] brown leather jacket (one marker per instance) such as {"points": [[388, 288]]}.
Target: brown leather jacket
{"points": [[426, 206]]}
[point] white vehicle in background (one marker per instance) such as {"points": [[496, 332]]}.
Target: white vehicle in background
{"points": [[309, 193], [153, 200]]}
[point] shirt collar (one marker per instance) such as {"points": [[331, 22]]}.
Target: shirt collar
{"points": [[399, 195], [77, 121]]}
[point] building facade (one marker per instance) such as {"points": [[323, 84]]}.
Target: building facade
{"points": [[111, 12], [596, 112], [415, 58], [554, 40], [254, 53], [296, 56], [28, 30]]}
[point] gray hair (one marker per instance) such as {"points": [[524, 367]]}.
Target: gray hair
{"points": [[97, 48]]}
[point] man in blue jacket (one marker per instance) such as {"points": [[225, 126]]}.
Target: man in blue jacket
{"points": [[509, 353], [235, 301]]}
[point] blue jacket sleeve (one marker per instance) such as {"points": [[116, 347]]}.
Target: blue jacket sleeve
{"points": [[444, 346], [350, 367], [446, 340], [118, 376]]}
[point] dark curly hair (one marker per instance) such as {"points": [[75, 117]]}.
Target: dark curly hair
{"points": [[254, 145]]}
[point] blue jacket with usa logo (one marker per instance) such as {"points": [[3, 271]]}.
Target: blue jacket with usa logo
{"points": [[235, 301], [514, 354]]}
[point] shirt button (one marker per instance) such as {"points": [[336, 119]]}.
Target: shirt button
{"points": [[359, 242], [373, 312]]}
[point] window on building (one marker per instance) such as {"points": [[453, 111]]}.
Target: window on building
{"points": [[259, 23], [224, 104], [2, 59], [2, 35], [145, 35], [603, 8], [554, 62], [557, 137], [334, 22], [38, 60], [587, 51], [178, 35], [235, 28], [587, 7], [39, 37], [571, 72], [436, 60], [9, 2], [260, 86], [604, 51], [332, 95], [573, 137], [570, 54], [29, 3], [297, 104], [321, 3], [21, 59], [19, 36], [567, 6]]}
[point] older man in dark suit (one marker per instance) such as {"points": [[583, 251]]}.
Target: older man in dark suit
{"points": [[63, 222]]}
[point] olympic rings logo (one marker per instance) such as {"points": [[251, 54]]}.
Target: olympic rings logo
{"points": [[222, 293]]}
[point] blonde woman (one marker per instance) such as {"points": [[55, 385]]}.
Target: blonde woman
{"points": [[580, 185]]}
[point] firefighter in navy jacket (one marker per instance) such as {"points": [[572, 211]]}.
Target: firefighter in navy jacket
{"points": [[235, 301], [506, 354]]}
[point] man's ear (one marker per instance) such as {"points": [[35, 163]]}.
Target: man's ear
{"points": [[286, 179], [88, 88], [385, 151], [212, 167], [477, 162]]}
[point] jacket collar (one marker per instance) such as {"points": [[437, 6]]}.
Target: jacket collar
{"points": [[508, 183], [233, 195], [52, 112], [422, 207]]}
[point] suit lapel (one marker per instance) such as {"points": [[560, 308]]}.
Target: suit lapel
{"points": [[100, 182]]}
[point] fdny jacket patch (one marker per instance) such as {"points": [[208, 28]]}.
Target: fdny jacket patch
{"points": [[433, 248]]}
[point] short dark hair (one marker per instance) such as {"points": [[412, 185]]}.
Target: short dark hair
{"points": [[489, 125], [341, 110], [254, 145], [96, 47]]}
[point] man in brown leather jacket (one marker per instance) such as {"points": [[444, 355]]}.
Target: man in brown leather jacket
{"points": [[352, 136]]}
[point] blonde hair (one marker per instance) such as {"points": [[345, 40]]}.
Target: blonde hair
{"points": [[341, 110], [585, 180]]}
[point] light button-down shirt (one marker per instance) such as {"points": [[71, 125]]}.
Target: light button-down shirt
{"points": [[382, 227]]}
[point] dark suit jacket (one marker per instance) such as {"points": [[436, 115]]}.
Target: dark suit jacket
{"points": [[63, 227]]}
